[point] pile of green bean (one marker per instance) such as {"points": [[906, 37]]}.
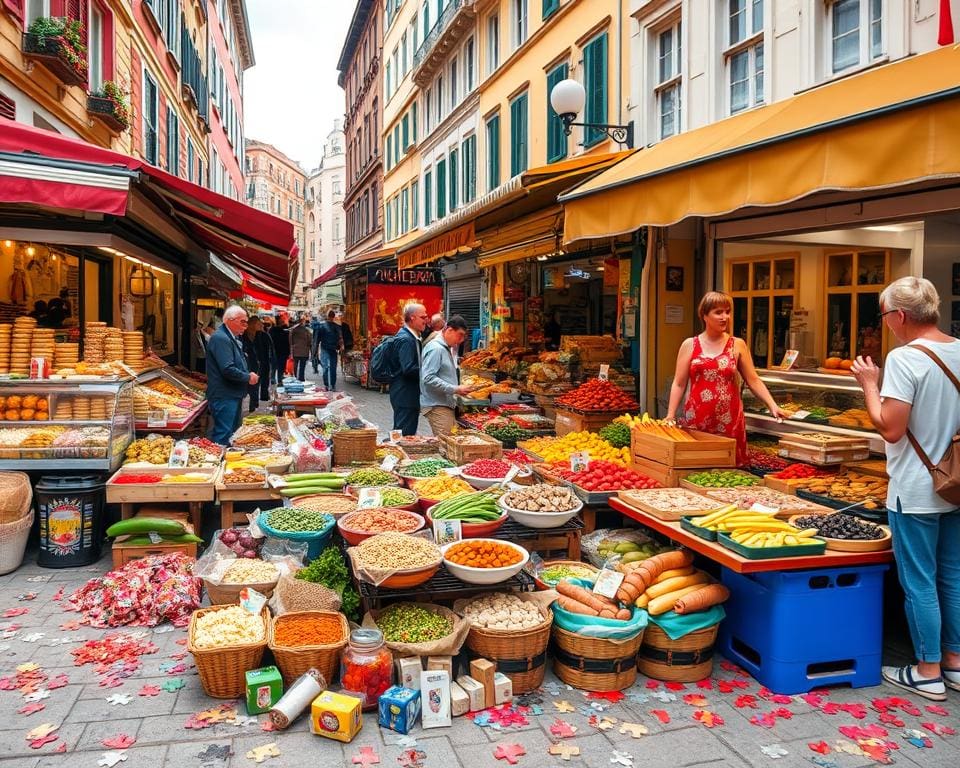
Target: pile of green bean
{"points": [[293, 520]]}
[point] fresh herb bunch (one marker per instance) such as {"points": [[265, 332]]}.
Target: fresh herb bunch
{"points": [[330, 570], [618, 435]]}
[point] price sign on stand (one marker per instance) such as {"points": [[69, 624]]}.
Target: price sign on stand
{"points": [[604, 374], [447, 531], [157, 419], [799, 415], [396, 435], [389, 462], [369, 498], [608, 582], [579, 461]]}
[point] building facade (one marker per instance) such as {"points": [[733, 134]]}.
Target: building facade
{"points": [[325, 229], [277, 184], [360, 65]]}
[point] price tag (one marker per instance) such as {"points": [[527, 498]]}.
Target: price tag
{"points": [[447, 531], [396, 435], [157, 419], [579, 461], [763, 509], [799, 415], [369, 498], [452, 471], [607, 583], [604, 374], [389, 462], [253, 528], [252, 601], [511, 473], [155, 538]]}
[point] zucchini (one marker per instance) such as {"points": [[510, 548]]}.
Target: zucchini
{"points": [[145, 541], [159, 525], [305, 490], [313, 476], [320, 483]]}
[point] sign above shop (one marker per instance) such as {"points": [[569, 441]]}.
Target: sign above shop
{"points": [[441, 245], [390, 276]]}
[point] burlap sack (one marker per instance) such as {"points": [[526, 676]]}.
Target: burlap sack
{"points": [[447, 646], [292, 594]]}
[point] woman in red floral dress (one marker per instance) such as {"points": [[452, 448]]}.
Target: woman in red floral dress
{"points": [[710, 363]]}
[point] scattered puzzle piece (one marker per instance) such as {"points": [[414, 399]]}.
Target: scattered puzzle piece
{"points": [[708, 718], [259, 754], [40, 731], [28, 667], [149, 690], [936, 709], [119, 742], [848, 748], [509, 752], [695, 700], [706, 684], [664, 696], [412, 758], [622, 758], [939, 729], [675, 686], [61, 747], [824, 762], [242, 722], [564, 706], [37, 743], [613, 697], [119, 698], [653, 685], [11, 612], [820, 746], [564, 751], [406, 741], [917, 738], [562, 729], [33, 637], [746, 701], [37, 695], [603, 723], [774, 751], [29, 709], [173, 685], [636, 730], [59, 681], [661, 714], [110, 759], [366, 757], [215, 752]]}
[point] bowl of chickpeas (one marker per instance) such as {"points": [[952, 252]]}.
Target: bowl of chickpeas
{"points": [[484, 561]]}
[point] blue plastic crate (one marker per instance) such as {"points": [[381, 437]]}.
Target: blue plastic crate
{"points": [[799, 630]]}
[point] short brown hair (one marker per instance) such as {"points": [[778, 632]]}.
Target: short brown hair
{"points": [[711, 301]]}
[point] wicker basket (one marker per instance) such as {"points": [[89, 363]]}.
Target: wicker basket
{"points": [[593, 663], [459, 453], [13, 542], [293, 662], [222, 669], [520, 655], [16, 496], [686, 660], [229, 594], [355, 445]]}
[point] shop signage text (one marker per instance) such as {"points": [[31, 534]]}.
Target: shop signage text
{"points": [[388, 276]]}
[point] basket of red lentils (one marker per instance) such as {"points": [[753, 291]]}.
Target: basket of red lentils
{"points": [[301, 640]]}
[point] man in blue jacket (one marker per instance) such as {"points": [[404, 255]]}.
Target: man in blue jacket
{"points": [[227, 375], [405, 388]]}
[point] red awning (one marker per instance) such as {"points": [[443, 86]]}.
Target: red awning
{"points": [[325, 277], [256, 290], [42, 168]]}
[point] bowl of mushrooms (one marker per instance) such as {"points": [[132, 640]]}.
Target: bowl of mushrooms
{"points": [[541, 505]]}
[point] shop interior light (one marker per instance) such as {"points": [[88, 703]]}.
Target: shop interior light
{"points": [[542, 257], [8, 243], [31, 251], [142, 263]]}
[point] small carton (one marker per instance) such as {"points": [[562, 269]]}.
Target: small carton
{"points": [[336, 716], [502, 688], [399, 708], [474, 691], [264, 689], [441, 662], [408, 672], [483, 671], [435, 693], [459, 701]]}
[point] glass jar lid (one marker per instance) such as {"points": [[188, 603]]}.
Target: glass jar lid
{"points": [[366, 639]]}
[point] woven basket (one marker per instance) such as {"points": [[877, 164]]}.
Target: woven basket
{"points": [[229, 594], [222, 668], [13, 542], [685, 660], [16, 496], [593, 663], [293, 662], [520, 655], [355, 445]]}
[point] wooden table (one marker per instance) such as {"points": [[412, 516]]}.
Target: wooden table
{"points": [[227, 496], [305, 405], [131, 497]]}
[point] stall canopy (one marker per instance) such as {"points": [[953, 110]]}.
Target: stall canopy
{"points": [[327, 276], [252, 288], [890, 126], [45, 169]]}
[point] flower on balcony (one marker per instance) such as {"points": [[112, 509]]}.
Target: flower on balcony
{"points": [[69, 34], [112, 93]]}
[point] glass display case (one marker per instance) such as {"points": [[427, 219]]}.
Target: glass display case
{"points": [[165, 402], [820, 402], [65, 424]]}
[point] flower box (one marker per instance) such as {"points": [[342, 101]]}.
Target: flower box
{"points": [[108, 112], [54, 53]]}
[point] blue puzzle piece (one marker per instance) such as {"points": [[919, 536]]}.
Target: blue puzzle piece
{"points": [[824, 762], [638, 698], [536, 709]]}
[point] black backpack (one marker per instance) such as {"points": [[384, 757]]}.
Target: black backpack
{"points": [[384, 365]]}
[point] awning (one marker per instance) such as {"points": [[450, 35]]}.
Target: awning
{"points": [[252, 288], [45, 169], [889, 126], [328, 275], [533, 189]]}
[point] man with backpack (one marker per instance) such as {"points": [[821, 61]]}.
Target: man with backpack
{"points": [[396, 361]]}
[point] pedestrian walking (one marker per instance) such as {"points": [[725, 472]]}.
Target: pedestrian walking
{"points": [[315, 324], [265, 356], [330, 342], [280, 336], [440, 377], [405, 386], [301, 340], [437, 324], [227, 375], [253, 361]]}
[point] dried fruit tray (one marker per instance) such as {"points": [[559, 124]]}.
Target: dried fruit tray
{"points": [[817, 547], [686, 522]]}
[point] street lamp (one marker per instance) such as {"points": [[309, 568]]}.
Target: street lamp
{"points": [[567, 99]]}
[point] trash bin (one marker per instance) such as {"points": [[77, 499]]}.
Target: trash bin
{"points": [[70, 509]]}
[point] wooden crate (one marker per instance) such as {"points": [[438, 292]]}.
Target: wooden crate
{"points": [[123, 553], [872, 467], [566, 421], [464, 454], [699, 504], [161, 492], [705, 452], [838, 450], [669, 477]]}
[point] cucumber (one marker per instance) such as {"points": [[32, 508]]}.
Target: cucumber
{"points": [[305, 490], [313, 476], [321, 483], [144, 541], [159, 525]]}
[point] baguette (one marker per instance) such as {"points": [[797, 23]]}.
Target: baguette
{"points": [[652, 567], [585, 596], [674, 572], [666, 602], [677, 582], [701, 599], [575, 606]]}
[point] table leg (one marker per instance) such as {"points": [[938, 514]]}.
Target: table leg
{"points": [[573, 545], [195, 509], [226, 515], [589, 515], [126, 510]]}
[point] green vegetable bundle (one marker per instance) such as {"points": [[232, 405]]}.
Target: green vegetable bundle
{"points": [[306, 483], [330, 570], [402, 623], [426, 467], [506, 432], [618, 435], [294, 520], [479, 507], [364, 478]]}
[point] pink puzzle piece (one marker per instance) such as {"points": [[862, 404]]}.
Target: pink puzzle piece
{"points": [[661, 714], [509, 752], [562, 729], [366, 757]]}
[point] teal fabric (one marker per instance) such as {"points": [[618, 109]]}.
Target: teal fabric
{"points": [[594, 626], [676, 626]]}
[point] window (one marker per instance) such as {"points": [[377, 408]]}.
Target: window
{"points": [[425, 15], [469, 150], [389, 220], [149, 119], [668, 81], [518, 135], [441, 188], [453, 84], [396, 143], [173, 142], [404, 210], [493, 43], [556, 137], [405, 131], [493, 153], [454, 184], [396, 213], [856, 32], [427, 102], [468, 66], [427, 198], [415, 204], [191, 159], [519, 22], [396, 67], [413, 128], [415, 35], [745, 53], [549, 8], [95, 47], [595, 85], [36, 9], [403, 56], [439, 99], [388, 152], [386, 78]]}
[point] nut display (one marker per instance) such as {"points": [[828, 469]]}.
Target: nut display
{"points": [[380, 520], [255, 436], [244, 571], [852, 487], [153, 449], [244, 476], [745, 498], [503, 611], [396, 551], [333, 504], [232, 625], [542, 498]]}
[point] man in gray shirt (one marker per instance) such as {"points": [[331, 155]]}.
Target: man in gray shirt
{"points": [[440, 377]]}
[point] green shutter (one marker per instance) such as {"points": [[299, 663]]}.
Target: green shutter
{"points": [[406, 133], [389, 215], [397, 148], [415, 204], [556, 138], [441, 188], [389, 152], [469, 148], [405, 210], [413, 135], [595, 84], [549, 7], [518, 135], [454, 186], [493, 153], [427, 198]]}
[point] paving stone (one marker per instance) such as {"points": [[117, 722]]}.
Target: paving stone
{"points": [[95, 732], [187, 754]]}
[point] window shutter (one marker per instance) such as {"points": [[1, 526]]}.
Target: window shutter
{"points": [[596, 75], [8, 107], [15, 9], [556, 138]]}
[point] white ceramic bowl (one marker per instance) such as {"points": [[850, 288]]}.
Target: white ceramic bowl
{"points": [[485, 482], [485, 576], [541, 519]]}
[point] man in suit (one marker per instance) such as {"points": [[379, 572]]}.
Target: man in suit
{"points": [[227, 375], [405, 388]]}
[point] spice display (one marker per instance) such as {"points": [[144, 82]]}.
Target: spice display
{"points": [[330, 570], [841, 526], [232, 625], [244, 476], [552, 449], [244, 571], [441, 487], [364, 478], [294, 520], [366, 666], [334, 504], [404, 623], [152, 449], [297, 631], [396, 551], [241, 542], [503, 611], [189, 477], [487, 468], [542, 498], [483, 553], [380, 520], [136, 479], [480, 506], [426, 467], [598, 395], [617, 434], [604, 476], [722, 478]]}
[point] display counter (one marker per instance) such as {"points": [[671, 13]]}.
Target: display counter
{"points": [[165, 403]]}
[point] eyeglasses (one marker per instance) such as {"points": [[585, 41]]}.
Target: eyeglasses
{"points": [[243, 322], [884, 314]]}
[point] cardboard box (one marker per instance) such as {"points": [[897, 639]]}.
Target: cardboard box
{"points": [[502, 688], [264, 689], [399, 708], [336, 716], [408, 672], [483, 671], [444, 663], [435, 694], [474, 691], [459, 701]]}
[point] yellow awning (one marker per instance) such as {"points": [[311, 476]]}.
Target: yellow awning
{"points": [[893, 125]]}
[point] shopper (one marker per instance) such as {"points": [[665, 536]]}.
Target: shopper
{"points": [[315, 344], [330, 343], [281, 347], [347, 336], [405, 387], [710, 363], [253, 361], [918, 396], [552, 332], [227, 375], [301, 340], [440, 377], [198, 345], [437, 324], [265, 356]]}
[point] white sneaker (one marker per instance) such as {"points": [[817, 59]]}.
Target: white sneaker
{"points": [[906, 678]]}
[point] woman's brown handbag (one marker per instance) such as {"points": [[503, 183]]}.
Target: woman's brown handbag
{"points": [[946, 473]]}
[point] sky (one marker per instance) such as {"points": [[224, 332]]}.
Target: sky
{"points": [[291, 96]]}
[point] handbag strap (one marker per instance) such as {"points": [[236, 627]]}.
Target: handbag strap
{"points": [[943, 366]]}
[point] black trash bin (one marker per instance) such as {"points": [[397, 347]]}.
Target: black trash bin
{"points": [[70, 509]]}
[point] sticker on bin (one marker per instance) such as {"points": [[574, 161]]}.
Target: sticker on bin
{"points": [[604, 374], [369, 498], [389, 462], [579, 461], [447, 531], [608, 582], [252, 601]]}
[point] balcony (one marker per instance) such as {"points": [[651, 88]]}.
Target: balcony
{"points": [[56, 53], [454, 24]]}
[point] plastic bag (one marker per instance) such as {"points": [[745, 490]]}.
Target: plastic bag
{"points": [[594, 626], [277, 548], [606, 546]]}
